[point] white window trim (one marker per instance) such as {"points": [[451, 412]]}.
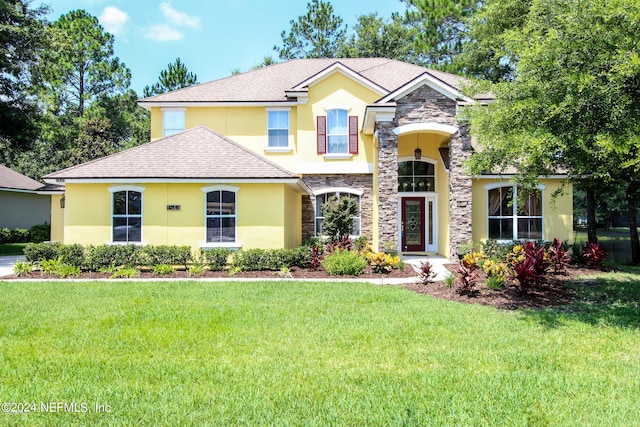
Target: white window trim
{"points": [[173, 109], [116, 189], [336, 156], [232, 245], [514, 217], [289, 147], [334, 190]]}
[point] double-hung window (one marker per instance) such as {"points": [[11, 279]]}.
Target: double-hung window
{"points": [[512, 217], [337, 133], [220, 216], [278, 128], [172, 121], [127, 216]]}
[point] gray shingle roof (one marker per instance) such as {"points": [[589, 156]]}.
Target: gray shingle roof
{"points": [[16, 181], [198, 153], [270, 83]]}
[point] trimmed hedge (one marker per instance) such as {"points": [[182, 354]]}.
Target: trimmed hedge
{"points": [[272, 259], [216, 258]]}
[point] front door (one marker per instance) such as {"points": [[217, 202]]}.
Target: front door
{"points": [[413, 224]]}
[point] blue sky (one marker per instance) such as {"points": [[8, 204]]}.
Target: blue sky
{"points": [[212, 37]]}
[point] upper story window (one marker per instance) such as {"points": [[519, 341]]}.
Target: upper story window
{"points": [[324, 197], [127, 214], [172, 121], [512, 217], [278, 128], [416, 176], [337, 133]]}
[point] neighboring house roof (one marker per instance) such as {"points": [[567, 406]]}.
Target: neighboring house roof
{"points": [[11, 179], [198, 153], [270, 84]]}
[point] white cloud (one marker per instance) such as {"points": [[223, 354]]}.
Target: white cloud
{"points": [[180, 19], [163, 33], [113, 19]]}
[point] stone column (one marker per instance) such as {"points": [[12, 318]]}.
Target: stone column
{"points": [[459, 191], [387, 183]]}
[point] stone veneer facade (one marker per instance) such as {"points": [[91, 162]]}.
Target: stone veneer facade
{"points": [[318, 183], [424, 105]]}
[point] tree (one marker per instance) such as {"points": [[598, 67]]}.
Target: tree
{"points": [[176, 76], [21, 41], [338, 217], [375, 38], [130, 124], [79, 66], [572, 102], [318, 34], [442, 29]]}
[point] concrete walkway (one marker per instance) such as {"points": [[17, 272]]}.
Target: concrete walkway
{"points": [[7, 262]]}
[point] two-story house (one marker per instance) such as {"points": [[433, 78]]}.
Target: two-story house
{"points": [[247, 162]]}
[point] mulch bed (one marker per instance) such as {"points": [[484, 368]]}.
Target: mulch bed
{"points": [[557, 289]]}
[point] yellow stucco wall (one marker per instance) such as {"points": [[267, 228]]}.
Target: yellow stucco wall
{"points": [[248, 125], [268, 215], [557, 213], [57, 219]]}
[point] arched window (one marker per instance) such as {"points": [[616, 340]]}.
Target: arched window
{"points": [[415, 176], [512, 217], [324, 197], [220, 215], [126, 216]]}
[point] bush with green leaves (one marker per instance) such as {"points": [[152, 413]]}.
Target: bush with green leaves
{"points": [[167, 254], [105, 256], [72, 254], [338, 217], [216, 258], [272, 259], [125, 273], [40, 233], [20, 235], [36, 252], [343, 262], [5, 235]]}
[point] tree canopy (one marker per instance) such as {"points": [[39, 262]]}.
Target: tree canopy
{"points": [[572, 102], [21, 42], [318, 34], [176, 76]]}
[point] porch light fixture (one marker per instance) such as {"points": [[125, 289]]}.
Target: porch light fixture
{"points": [[62, 202], [418, 152]]}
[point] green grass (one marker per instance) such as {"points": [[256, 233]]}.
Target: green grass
{"points": [[269, 353], [12, 248]]}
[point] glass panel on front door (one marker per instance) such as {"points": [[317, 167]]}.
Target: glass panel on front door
{"points": [[413, 224]]}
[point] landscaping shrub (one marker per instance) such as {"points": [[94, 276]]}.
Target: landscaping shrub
{"points": [[271, 259], [343, 262], [496, 273], [22, 268], [19, 235], [125, 273], [40, 233], [468, 272], [5, 235], [72, 255], [425, 271], [594, 254], [529, 264], [216, 258], [36, 252], [558, 255], [109, 256], [163, 269], [382, 262], [165, 254]]}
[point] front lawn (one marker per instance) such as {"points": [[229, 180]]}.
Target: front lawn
{"points": [[294, 353], [12, 248]]}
